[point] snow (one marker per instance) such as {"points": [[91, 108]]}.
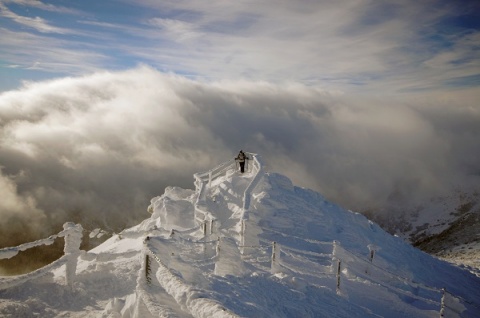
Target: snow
{"points": [[242, 245]]}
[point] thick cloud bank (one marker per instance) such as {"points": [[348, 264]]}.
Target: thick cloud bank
{"points": [[98, 147]]}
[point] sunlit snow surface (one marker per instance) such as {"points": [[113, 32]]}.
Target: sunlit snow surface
{"points": [[230, 274]]}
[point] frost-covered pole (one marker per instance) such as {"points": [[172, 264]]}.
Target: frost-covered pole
{"points": [[336, 260], [217, 248], [242, 236], [373, 249], [73, 239], [212, 226], [275, 257], [339, 272], [334, 255]]}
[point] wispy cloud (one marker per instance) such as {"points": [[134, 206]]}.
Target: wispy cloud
{"points": [[41, 5], [37, 23], [351, 45], [51, 55]]}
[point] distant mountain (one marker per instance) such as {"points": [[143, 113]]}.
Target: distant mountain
{"points": [[445, 226], [242, 245]]}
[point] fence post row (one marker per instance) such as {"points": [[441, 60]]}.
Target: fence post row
{"points": [[445, 310]]}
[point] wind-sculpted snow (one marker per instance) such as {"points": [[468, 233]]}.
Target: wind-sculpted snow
{"points": [[273, 250]]}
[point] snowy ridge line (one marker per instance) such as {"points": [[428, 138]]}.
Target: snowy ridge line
{"points": [[6, 283], [186, 295]]}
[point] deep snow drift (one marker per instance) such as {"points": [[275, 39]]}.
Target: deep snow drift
{"points": [[243, 245]]}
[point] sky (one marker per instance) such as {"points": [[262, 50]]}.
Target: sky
{"points": [[367, 45], [105, 103]]}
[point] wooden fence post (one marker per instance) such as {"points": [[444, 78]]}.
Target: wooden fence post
{"points": [[274, 247], [148, 269], [211, 226], [73, 239], [339, 272], [275, 258]]}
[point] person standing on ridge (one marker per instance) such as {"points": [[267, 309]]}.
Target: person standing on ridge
{"points": [[241, 160]]}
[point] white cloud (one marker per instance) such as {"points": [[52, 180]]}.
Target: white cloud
{"points": [[100, 146]]}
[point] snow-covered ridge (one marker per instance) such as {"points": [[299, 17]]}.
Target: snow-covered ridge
{"points": [[250, 245]]}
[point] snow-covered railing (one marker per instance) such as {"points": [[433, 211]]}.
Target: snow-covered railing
{"points": [[144, 297], [257, 170], [325, 264], [12, 281], [72, 233], [449, 305], [204, 180], [186, 295]]}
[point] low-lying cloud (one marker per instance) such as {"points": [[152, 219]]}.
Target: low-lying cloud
{"points": [[96, 149]]}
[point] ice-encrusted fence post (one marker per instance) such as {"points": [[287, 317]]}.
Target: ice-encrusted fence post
{"points": [[208, 227], [229, 261], [242, 236], [212, 226], [148, 269], [373, 249], [73, 239], [336, 261], [338, 274], [275, 268]]}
